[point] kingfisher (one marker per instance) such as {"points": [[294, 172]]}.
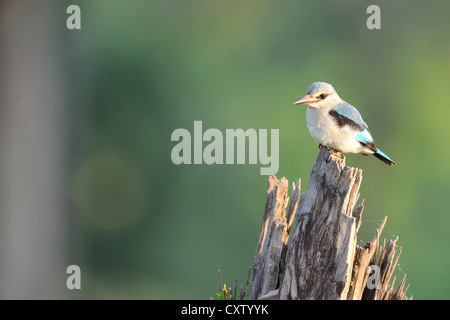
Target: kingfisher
{"points": [[336, 124]]}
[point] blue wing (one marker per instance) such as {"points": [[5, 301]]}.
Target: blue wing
{"points": [[365, 138], [346, 114]]}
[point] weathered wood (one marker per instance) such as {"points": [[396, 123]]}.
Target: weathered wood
{"points": [[273, 237], [320, 253], [386, 261], [319, 258], [362, 260]]}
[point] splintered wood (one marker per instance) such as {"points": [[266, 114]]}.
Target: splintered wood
{"points": [[273, 238], [317, 256]]}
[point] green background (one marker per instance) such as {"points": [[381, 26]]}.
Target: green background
{"points": [[142, 227]]}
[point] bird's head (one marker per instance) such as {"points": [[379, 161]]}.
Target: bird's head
{"points": [[320, 95]]}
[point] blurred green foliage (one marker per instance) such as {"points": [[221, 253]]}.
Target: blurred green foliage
{"points": [[146, 228]]}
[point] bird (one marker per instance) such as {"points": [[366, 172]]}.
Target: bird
{"points": [[336, 124]]}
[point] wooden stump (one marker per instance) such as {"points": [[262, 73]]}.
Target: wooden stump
{"points": [[320, 258]]}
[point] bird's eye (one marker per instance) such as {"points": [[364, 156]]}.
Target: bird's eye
{"points": [[322, 96]]}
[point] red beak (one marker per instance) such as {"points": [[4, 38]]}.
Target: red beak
{"points": [[306, 99]]}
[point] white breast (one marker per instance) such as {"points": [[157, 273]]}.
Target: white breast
{"points": [[324, 130]]}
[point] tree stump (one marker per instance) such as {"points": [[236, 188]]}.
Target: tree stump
{"points": [[320, 258]]}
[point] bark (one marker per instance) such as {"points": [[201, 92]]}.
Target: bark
{"points": [[319, 258]]}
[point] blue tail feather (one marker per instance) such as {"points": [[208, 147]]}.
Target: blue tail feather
{"points": [[383, 157]]}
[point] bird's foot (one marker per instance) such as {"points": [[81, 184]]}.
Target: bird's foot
{"points": [[335, 155]]}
